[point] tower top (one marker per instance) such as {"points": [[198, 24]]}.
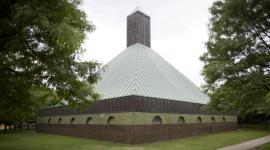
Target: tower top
{"points": [[138, 28], [139, 9]]}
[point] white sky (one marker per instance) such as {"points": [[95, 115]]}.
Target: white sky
{"points": [[178, 31]]}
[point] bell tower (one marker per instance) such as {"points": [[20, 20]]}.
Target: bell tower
{"points": [[138, 28]]}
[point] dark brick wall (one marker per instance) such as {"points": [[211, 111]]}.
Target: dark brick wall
{"points": [[134, 134], [132, 104]]}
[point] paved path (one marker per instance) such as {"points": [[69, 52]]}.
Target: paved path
{"points": [[249, 144]]}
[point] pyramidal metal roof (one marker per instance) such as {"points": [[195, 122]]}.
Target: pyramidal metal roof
{"points": [[139, 70]]}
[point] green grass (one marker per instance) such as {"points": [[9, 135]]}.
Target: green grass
{"points": [[264, 147], [30, 140]]}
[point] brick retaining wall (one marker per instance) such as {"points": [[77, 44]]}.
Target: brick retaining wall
{"points": [[134, 134]]}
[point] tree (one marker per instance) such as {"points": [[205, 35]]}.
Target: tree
{"points": [[237, 63], [40, 45]]}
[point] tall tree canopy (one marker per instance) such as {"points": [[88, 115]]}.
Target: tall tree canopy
{"points": [[237, 63], [40, 41]]}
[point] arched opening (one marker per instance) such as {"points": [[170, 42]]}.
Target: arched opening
{"points": [[72, 120], [59, 120], [157, 120], [223, 119], [111, 120], [181, 120], [213, 120], [199, 120], [89, 120], [49, 121]]}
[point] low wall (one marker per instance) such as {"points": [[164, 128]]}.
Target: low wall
{"points": [[134, 134]]}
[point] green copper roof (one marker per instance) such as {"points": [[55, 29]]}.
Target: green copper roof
{"points": [[139, 70]]}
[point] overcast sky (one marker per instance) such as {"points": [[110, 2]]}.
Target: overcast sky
{"points": [[178, 31]]}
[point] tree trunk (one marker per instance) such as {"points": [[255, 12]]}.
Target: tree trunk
{"points": [[21, 125], [5, 128]]}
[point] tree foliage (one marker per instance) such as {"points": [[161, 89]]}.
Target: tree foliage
{"points": [[40, 45], [237, 63]]}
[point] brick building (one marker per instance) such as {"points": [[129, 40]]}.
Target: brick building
{"points": [[143, 98]]}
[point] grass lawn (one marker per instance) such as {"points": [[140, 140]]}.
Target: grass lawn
{"points": [[30, 140], [264, 147]]}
